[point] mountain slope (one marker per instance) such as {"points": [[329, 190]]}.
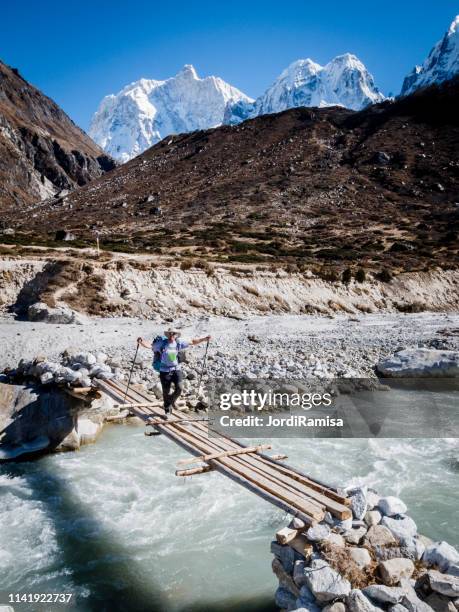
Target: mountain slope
{"points": [[313, 186], [344, 81], [146, 111], [441, 64], [41, 150]]}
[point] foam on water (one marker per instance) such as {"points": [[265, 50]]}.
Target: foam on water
{"points": [[113, 524]]}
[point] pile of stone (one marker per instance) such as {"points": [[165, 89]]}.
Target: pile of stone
{"points": [[373, 561], [76, 368]]}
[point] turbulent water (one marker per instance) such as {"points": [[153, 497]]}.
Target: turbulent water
{"points": [[114, 526]]}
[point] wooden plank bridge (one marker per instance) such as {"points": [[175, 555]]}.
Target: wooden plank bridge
{"points": [[282, 485]]}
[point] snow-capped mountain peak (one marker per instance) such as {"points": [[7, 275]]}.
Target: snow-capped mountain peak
{"points": [[344, 81], [441, 64], [146, 111]]}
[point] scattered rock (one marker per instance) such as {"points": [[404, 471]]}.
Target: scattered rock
{"points": [[285, 554], [390, 506], [361, 556], [441, 555], [445, 584], [411, 600], [318, 532], [357, 602], [372, 499], [297, 523], [379, 535], [401, 528], [284, 599], [420, 362], [325, 583], [372, 517], [338, 606], [393, 570], [440, 604], [41, 312], [384, 594], [354, 536], [358, 497], [336, 540]]}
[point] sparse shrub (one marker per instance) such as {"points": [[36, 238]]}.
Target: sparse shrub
{"points": [[346, 276], [411, 307], [186, 264], [384, 276], [360, 275]]}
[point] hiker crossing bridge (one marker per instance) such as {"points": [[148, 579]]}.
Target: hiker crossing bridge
{"points": [[282, 485]]}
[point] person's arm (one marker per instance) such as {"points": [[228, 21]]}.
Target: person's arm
{"points": [[144, 343], [196, 341]]}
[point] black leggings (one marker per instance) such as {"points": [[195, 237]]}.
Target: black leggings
{"points": [[167, 379]]}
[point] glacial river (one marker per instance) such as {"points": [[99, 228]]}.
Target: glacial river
{"points": [[113, 525]]}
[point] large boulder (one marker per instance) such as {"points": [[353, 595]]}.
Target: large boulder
{"points": [[284, 599], [357, 602], [325, 583], [420, 362], [41, 312], [390, 506], [358, 499], [441, 555], [379, 535], [383, 594], [318, 533], [400, 528], [393, 570], [445, 584]]}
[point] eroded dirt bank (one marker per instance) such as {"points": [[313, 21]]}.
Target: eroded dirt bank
{"points": [[142, 287]]}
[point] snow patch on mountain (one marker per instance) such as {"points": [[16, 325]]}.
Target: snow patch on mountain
{"points": [[147, 110], [344, 81], [441, 64]]}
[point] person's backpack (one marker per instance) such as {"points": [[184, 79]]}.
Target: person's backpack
{"points": [[181, 357], [157, 353]]}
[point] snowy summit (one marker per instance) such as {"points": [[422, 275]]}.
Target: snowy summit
{"points": [[147, 110], [344, 81], [441, 64]]}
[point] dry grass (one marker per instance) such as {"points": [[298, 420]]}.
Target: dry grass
{"points": [[340, 559]]}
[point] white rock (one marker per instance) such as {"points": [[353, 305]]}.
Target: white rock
{"points": [[412, 547], [88, 431], [400, 528], [354, 536], [101, 357], [390, 506], [445, 584], [325, 583], [335, 539], [372, 499], [393, 570], [373, 517], [420, 362], [360, 555], [338, 606], [318, 532], [441, 555], [358, 498], [384, 594], [411, 600], [357, 602]]}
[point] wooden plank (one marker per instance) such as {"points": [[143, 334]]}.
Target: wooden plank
{"points": [[286, 535], [229, 443], [338, 510], [302, 545], [228, 453], [296, 492], [197, 470], [305, 505]]}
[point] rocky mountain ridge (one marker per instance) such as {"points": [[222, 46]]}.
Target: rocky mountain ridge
{"points": [[42, 151], [441, 64], [328, 187]]}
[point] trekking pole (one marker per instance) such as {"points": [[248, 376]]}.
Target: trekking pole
{"points": [[203, 366], [130, 373]]}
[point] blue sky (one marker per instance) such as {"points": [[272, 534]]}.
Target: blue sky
{"points": [[77, 52]]}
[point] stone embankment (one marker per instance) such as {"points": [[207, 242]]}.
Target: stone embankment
{"points": [[375, 560]]}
